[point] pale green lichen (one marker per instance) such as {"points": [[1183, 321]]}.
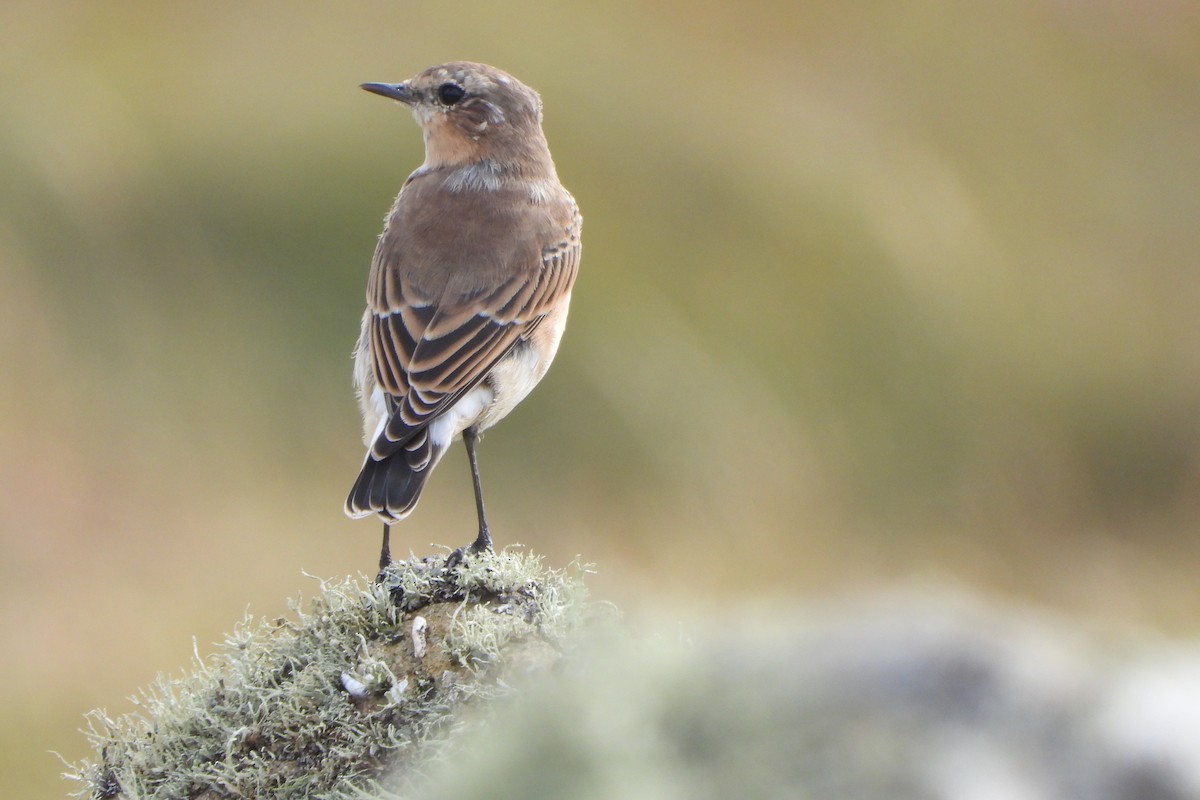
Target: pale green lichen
{"points": [[322, 705]]}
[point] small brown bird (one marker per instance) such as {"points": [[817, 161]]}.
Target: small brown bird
{"points": [[469, 286]]}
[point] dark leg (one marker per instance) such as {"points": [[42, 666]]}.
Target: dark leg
{"points": [[484, 541], [385, 552]]}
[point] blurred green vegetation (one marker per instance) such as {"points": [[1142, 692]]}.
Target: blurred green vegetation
{"points": [[871, 292]]}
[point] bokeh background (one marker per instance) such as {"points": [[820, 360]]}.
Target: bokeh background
{"points": [[872, 294]]}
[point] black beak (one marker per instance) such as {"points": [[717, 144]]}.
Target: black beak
{"points": [[396, 91]]}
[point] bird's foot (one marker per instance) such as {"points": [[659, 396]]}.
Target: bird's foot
{"points": [[482, 544]]}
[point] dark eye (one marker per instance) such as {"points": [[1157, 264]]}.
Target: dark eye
{"points": [[451, 93]]}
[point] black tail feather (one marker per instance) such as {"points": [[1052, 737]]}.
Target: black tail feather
{"points": [[391, 487]]}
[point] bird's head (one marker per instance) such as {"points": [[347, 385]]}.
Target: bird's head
{"points": [[471, 112]]}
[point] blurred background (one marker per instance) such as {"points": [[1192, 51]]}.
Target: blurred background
{"points": [[873, 294]]}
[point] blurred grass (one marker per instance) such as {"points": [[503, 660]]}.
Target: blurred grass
{"points": [[870, 293]]}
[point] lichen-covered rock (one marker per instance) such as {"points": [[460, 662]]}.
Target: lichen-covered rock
{"points": [[366, 681]]}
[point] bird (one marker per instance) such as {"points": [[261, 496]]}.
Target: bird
{"points": [[469, 286]]}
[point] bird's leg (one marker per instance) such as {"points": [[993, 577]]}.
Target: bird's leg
{"points": [[385, 552], [483, 542]]}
